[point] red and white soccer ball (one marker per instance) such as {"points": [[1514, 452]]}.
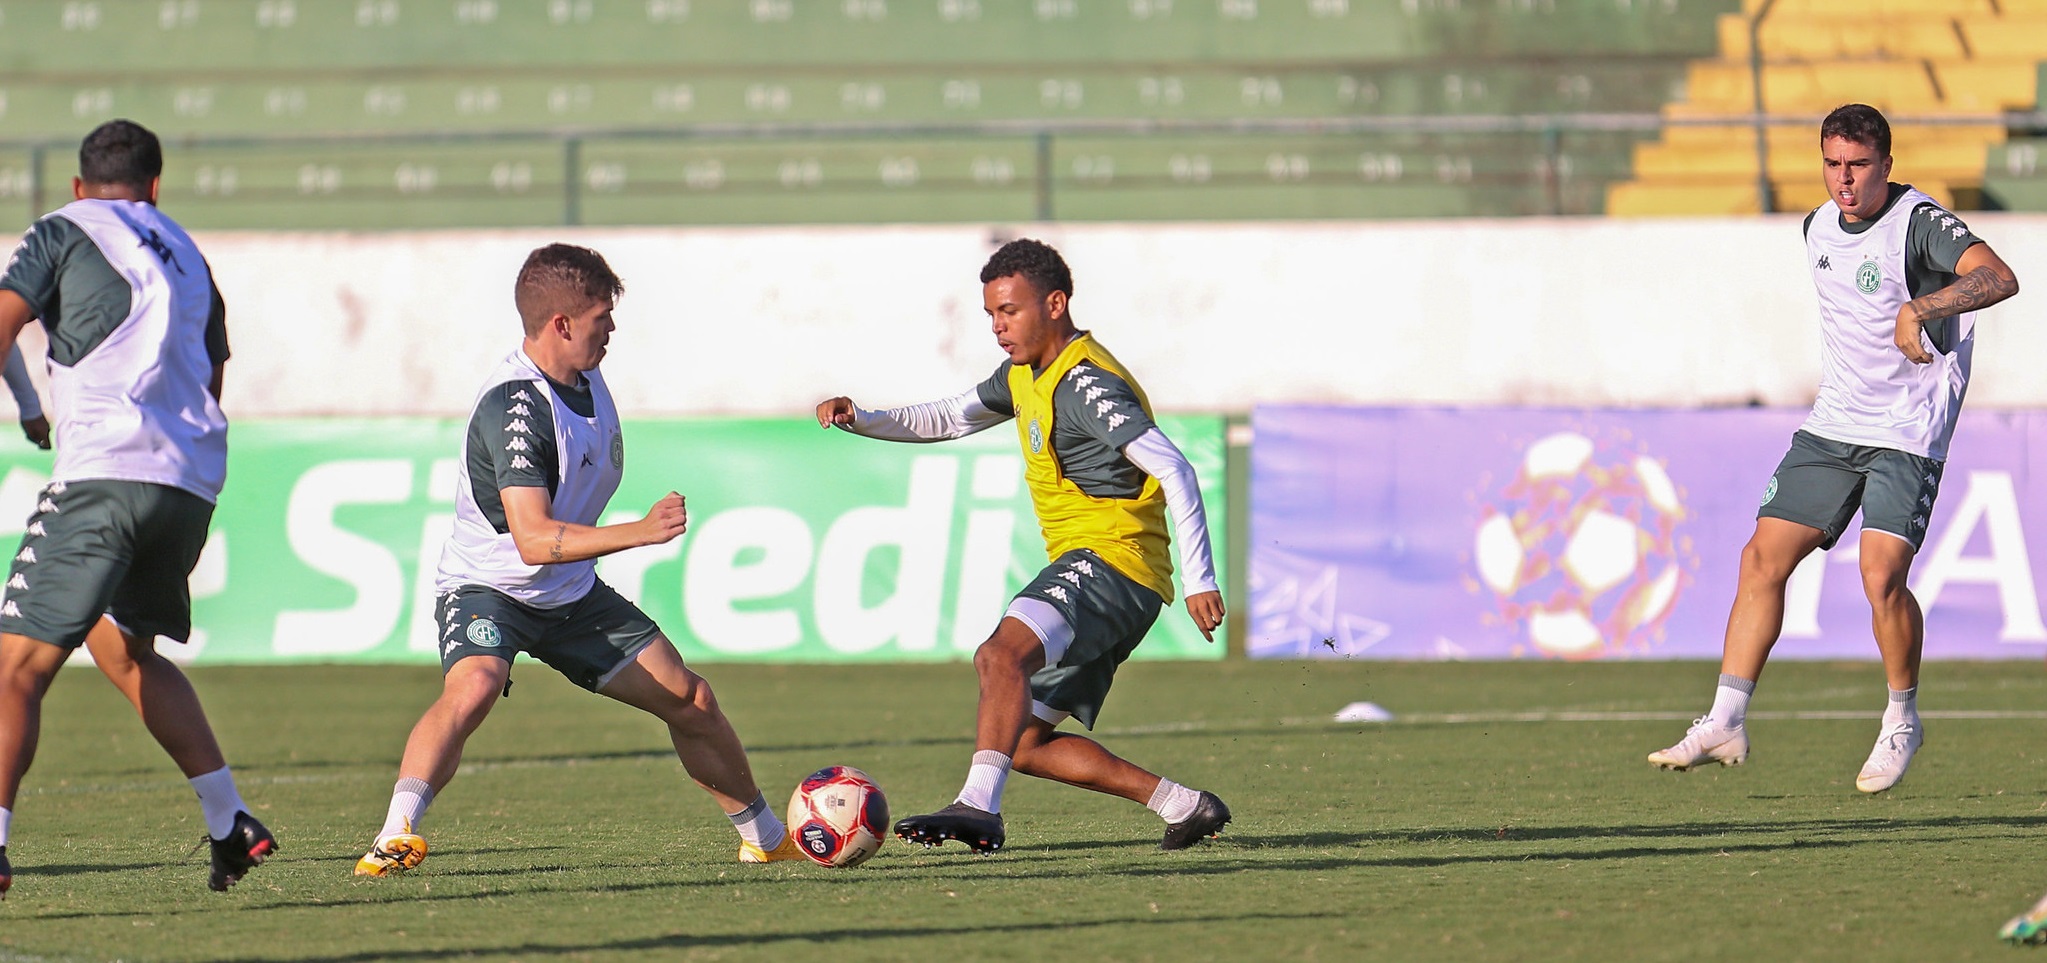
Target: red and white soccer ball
{"points": [[838, 816]]}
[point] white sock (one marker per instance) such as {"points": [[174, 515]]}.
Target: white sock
{"points": [[1903, 707], [6, 824], [1173, 802], [757, 824], [219, 800], [409, 799], [985, 777], [1730, 701]]}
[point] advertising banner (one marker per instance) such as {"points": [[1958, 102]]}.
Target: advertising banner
{"points": [[803, 544], [1589, 534]]}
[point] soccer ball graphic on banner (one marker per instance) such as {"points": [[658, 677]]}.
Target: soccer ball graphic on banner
{"points": [[1581, 550], [838, 816]]}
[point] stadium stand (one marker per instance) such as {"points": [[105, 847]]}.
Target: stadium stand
{"points": [[408, 113], [1946, 70]]}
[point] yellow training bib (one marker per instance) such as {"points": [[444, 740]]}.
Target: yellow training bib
{"points": [[1128, 533]]}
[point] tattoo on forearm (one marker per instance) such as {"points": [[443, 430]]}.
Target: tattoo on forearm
{"points": [[555, 553], [1979, 288]]}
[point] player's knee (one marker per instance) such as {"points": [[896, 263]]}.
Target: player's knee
{"points": [[1007, 655], [1882, 585], [692, 704], [1761, 563]]}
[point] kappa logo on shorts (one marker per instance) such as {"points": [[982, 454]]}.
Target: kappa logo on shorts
{"points": [[1071, 578], [484, 632], [28, 554], [1037, 437], [10, 610], [1868, 277], [1058, 593], [1771, 491], [17, 582], [36, 528]]}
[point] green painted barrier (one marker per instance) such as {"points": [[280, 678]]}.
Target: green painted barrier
{"points": [[803, 544]]}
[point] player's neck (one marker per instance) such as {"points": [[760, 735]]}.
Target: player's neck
{"points": [[1058, 347], [554, 367]]}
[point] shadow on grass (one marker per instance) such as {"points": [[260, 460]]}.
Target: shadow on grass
{"points": [[685, 941]]}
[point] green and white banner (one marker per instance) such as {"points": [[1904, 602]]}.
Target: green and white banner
{"points": [[803, 544]]}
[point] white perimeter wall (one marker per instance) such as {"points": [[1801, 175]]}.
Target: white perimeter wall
{"points": [[767, 321]]}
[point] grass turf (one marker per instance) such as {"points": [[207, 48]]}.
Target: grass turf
{"points": [[1456, 832]]}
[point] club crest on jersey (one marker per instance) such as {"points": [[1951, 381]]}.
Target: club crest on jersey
{"points": [[1868, 277], [618, 450], [1037, 437], [484, 632]]}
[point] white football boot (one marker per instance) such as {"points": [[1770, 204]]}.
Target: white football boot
{"points": [[1706, 741], [1892, 755]]}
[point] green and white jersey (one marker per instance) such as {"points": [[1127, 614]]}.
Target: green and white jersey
{"points": [[527, 431], [1870, 393], [135, 328]]}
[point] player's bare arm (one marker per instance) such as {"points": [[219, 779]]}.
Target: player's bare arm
{"points": [[1985, 280], [544, 540], [15, 314]]}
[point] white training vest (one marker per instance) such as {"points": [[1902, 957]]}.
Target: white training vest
{"points": [[1870, 393], [590, 459], [138, 407]]}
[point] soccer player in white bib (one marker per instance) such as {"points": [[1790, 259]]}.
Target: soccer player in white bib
{"points": [[1899, 281], [542, 457], [138, 343]]}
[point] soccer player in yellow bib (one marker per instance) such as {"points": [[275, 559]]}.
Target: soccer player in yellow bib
{"points": [[1102, 479]]}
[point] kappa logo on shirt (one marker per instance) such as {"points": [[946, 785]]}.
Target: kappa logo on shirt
{"points": [[1116, 420], [1077, 371], [520, 409], [1824, 264], [519, 425], [521, 395], [1093, 393], [518, 444], [520, 462], [1103, 408]]}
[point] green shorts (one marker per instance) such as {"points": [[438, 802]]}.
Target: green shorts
{"points": [[102, 547], [1108, 615], [1821, 483], [588, 640]]}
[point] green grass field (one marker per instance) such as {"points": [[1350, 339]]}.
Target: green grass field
{"points": [[1459, 832]]}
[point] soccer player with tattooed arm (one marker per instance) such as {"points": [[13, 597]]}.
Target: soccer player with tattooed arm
{"points": [[1102, 478]]}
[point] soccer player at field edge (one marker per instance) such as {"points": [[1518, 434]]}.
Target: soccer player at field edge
{"points": [[541, 459], [1899, 281], [138, 343], [1102, 477]]}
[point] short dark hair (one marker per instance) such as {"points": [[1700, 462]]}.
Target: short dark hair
{"points": [[1036, 261], [120, 152], [1859, 123], [562, 279]]}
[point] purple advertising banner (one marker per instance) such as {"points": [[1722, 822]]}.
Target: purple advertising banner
{"points": [[1582, 534]]}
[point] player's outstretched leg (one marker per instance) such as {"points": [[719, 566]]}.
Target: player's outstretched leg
{"points": [[658, 682], [1191, 815], [432, 753], [2027, 927], [26, 669]]}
